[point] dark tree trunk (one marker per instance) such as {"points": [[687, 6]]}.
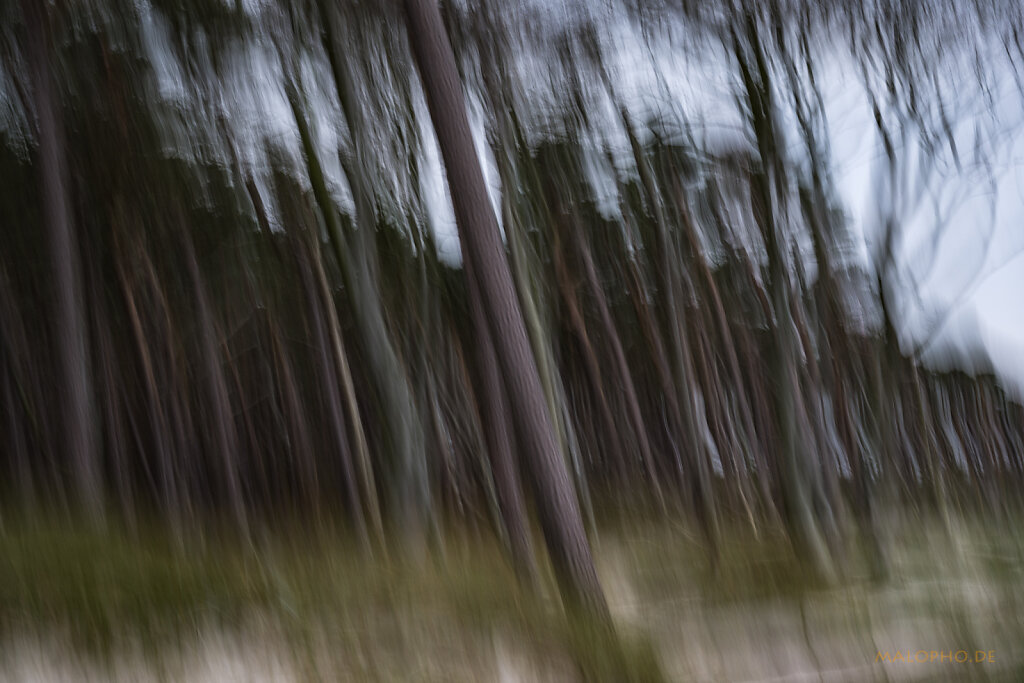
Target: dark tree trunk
{"points": [[500, 440], [71, 332], [481, 243]]}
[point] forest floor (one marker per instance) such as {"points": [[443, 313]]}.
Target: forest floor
{"points": [[78, 605]]}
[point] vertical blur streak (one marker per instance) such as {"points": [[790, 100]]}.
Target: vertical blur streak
{"points": [[78, 435], [500, 438], [478, 232], [412, 494]]}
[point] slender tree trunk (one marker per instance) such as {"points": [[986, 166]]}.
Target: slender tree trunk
{"points": [[341, 375], [768, 198], [76, 407], [481, 244], [410, 504], [360, 265], [221, 420], [154, 403], [500, 439], [523, 262], [615, 447], [19, 418], [672, 281], [630, 397]]}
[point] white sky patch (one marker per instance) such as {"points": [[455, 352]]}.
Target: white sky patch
{"points": [[434, 188], [972, 212], [156, 40], [14, 125], [965, 237], [1002, 333], [434, 182], [325, 114], [975, 197], [601, 177], [492, 178]]}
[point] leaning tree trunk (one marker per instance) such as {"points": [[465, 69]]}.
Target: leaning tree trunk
{"points": [[411, 496], [481, 244], [79, 434], [494, 411]]}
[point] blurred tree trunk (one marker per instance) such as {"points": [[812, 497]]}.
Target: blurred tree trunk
{"points": [[360, 265], [768, 203], [674, 282], [410, 499], [500, 440], [517, 172], [219, 417], [71, 331], [481, 243]]}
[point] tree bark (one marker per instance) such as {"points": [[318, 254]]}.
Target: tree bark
{"points": [[79, 437], [481, 244], [499, 437]]}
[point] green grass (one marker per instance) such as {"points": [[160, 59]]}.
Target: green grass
{"points": [[669, 559], [98, 583], [110, 590]]}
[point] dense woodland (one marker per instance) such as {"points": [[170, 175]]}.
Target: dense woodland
{"points": [[206, 316]]}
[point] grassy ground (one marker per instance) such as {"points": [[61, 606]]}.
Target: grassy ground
{"points": [[78, 603], [323, 608]]}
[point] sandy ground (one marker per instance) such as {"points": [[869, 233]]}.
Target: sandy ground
{"points": [[829, 635]]}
